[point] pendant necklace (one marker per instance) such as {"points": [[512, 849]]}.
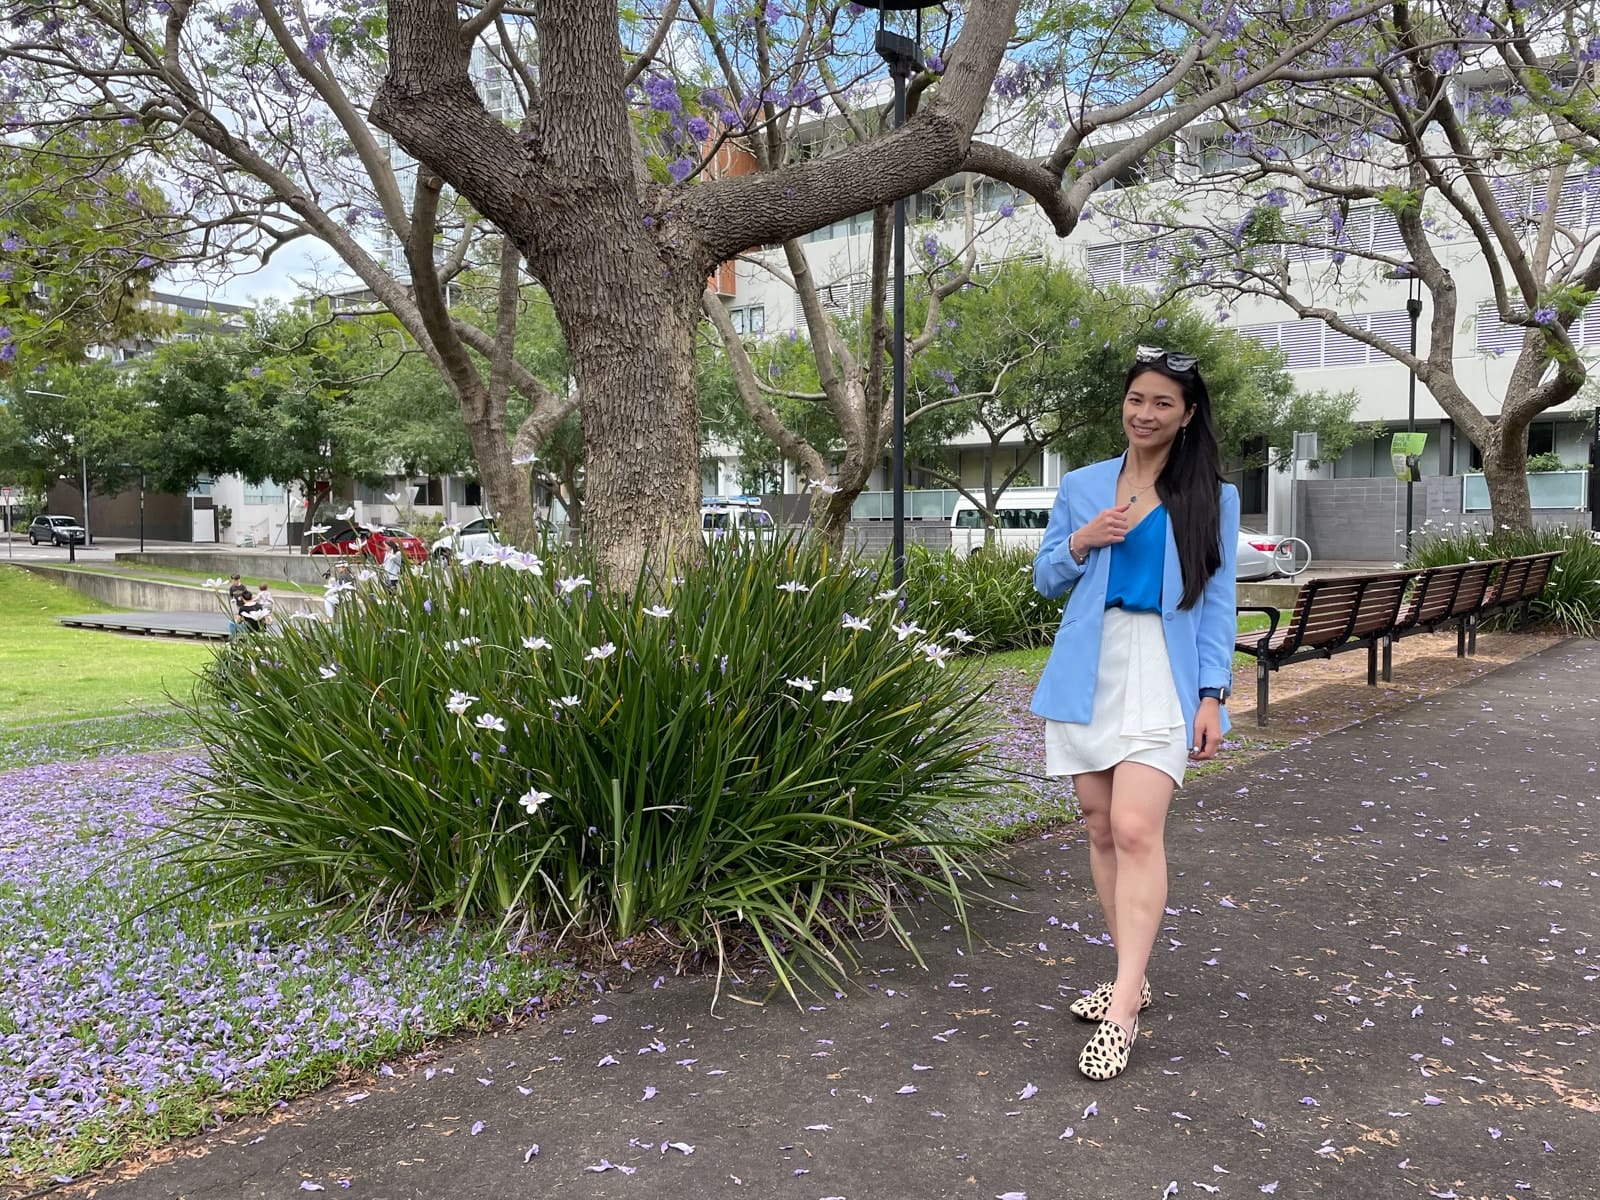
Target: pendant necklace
{"points": [[1138, 487]]}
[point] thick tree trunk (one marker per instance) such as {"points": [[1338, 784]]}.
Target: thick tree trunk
{"points": [[1505, 471], [830, 518], [505, 484], [631, 334]]}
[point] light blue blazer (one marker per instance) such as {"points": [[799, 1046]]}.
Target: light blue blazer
{"points": [[1199, 639]]}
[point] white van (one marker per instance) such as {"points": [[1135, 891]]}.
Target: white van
{"points": [[735, 516], [1021, 514]]}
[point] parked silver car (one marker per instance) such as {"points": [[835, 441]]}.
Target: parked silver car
{"points": [[1265, 556], [56, 530]]}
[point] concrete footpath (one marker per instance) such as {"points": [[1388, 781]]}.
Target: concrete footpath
{"points": [[1378, 979]]}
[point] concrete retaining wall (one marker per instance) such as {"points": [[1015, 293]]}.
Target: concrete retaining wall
{"points": [[291, 568], [143, 595]]}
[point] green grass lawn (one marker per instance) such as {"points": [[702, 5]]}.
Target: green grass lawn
{"points": [[50, 673]]}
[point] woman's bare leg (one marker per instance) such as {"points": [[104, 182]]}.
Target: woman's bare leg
{"points": [[1094, 803], [1140, 797]]}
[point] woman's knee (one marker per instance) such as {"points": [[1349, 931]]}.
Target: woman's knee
{"points": [[1098, 824], [1094, 806], [1135, 831]]}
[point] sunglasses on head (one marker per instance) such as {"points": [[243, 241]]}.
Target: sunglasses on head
{"points": [[1173, 360]]}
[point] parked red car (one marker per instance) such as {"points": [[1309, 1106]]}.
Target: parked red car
{"points": [[348, 538]]}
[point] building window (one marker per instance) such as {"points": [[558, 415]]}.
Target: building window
{"points": [[265, 492], [1312, 345], [749, 319]]}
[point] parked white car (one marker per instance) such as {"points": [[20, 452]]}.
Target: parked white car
{"points": [[735, 516], [474, 537]]}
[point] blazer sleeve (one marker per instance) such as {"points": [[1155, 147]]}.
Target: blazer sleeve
{"points": [[1054, 570], [1219, 615]]}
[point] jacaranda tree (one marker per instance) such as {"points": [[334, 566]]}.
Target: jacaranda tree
{"points": [[1423, 144], [580, 141]]}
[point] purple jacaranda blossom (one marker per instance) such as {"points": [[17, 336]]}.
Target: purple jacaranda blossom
{"points": [[662, 94], [111, 1020]]}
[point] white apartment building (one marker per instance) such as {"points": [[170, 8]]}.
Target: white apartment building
{"points": [[1318, 357]]}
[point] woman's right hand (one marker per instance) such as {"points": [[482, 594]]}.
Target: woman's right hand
{"points": [[1109, 526]]}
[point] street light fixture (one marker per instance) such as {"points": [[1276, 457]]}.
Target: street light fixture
{"points": [[903, 55], [1408, 272]]}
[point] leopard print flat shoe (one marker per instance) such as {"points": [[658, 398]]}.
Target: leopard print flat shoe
{"points": [[1097, 1003], [1106, 1055]]}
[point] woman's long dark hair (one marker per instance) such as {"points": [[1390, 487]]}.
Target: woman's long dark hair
{"points": [[1190, 484]]}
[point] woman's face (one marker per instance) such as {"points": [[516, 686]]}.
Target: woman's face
{"points": [[1153, 412]]}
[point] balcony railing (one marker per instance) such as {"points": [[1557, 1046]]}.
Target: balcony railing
{"points": [[922, 504], [1546, 489]]}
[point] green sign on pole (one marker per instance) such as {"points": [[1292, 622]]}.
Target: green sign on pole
{"points": [[1405, 452]]}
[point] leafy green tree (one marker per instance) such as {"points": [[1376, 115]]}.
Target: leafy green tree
{"points": [[82, 236], [195, 410], [1035, 359], [67, 420]]}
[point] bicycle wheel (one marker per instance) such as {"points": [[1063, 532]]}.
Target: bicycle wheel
{"points": [[1292, 557]]}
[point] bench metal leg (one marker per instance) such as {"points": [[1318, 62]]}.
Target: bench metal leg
{"points": [[1261, 691], [1461, 638], [1472, 635], [1372, 663], [1388, 659]]}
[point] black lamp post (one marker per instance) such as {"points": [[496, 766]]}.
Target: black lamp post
{"points": [[904, 58], [1408, 273]]}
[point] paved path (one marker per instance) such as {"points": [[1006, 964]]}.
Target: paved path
{"points": [[1378, 980]]}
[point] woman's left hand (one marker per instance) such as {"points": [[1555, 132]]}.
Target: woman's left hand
{"points": [[1207, 730]]}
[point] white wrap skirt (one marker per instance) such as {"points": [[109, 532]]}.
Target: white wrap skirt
{"points": [[1137, 717]]}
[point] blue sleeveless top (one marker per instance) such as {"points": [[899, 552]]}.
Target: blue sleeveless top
{"points": [[1137, 562]]}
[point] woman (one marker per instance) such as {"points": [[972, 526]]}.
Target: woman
{"points": [[1143, 661]]}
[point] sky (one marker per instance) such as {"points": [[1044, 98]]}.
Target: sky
{"points": [[300, 267]]}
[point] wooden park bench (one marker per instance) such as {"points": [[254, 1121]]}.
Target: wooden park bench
{"points": [[1515, 587], [1330, 616], [1374, 611], [1440, 596]]}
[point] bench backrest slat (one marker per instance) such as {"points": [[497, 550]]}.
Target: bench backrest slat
{"points": [[1539, 568], [1474, 585], [1379, 604], [1323, 611], [1513, 578], [1432, 595]]}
